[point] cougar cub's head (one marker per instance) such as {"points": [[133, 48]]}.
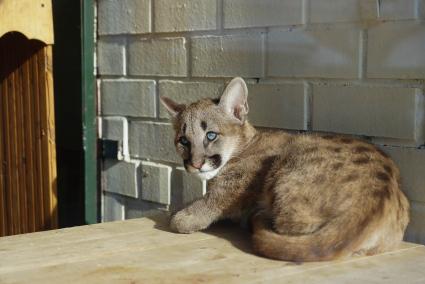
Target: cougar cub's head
{"points": [[209, 132]]}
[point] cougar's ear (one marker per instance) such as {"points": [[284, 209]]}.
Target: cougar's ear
{"points": [[234, 100], [172, 107]]}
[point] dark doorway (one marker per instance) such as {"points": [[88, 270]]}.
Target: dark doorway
{"points": [[68, 108]]}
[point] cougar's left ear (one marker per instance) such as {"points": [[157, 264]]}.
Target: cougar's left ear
{"points": [[172, 107], [234, 100]]}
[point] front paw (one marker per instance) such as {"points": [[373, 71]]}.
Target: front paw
{"points": [[184, 223]]}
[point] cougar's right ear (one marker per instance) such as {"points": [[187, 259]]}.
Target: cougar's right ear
{"points": [[172, 107]]}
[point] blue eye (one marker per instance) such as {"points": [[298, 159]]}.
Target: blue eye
{"points": [[183, 140], [211, 135]]}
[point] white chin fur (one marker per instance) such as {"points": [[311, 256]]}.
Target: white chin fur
{"points": [[207, 175]]}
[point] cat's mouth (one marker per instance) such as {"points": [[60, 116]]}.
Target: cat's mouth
{"points": [[208, 170]]}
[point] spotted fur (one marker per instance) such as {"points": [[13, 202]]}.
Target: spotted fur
{"points": [[313, 197]]}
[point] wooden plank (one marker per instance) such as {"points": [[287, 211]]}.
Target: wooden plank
{"points": [[40, 222], [20, 146], [151, 254], [20, 15], [29, 150], [10, 206], [48, 136], [3, 223]]}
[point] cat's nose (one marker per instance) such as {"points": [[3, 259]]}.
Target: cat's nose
{"points": [[197, 164]]}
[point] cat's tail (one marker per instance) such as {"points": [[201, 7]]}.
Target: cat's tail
{"points": [[338, 238]]}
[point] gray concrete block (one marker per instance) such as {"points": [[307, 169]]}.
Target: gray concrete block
{"points": [[254, 13], [185, 188], [277, 105], [187, 92], [372, 111], [411, 162], [116, 128], [121, 177], [322, 53], [141, 208], [157, 57], [227, 56], [185, 15], [113, 208], [128, 98], [331, 11], [396, 50], [397, 9], [415, 232], [153, 140], [110, 56], [156, 182], [124, 16]]}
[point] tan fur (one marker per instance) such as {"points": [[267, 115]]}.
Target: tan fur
{"points": [[315, 197]]}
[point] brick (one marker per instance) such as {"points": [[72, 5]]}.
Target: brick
{"points": [[124, 16], [156, 182], [121, 177], [110, 56], [396, 50], [416, 229], [280, 106], [152, 140], [411, 162], [227, 56], [116, 128], [254, 13], [187, 92], [113, 208], [128, 98], [372, 111], [184, 15], [397, 9], [185, 188], [158, 57], [330, 11], [325, 53], [141, 208]]}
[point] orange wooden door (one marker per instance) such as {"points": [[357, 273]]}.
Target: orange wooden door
{"points": [[27, 143]]}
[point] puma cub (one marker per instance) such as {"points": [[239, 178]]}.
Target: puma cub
{"points": [[312, 197]]}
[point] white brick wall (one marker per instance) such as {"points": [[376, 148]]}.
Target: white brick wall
{"points": [[183, 15], [349, 66], [227, 56]]}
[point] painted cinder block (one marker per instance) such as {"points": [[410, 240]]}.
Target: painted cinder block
{"points": [[330, 11], [411, 162], [116, 128], [157, 57], [254, 13], [156, 184], [319, 53], [113, 208], [277, 105], [153, 140], [416, 229], [121, 177], [371, 111], [128, 98], [185, 188], [398, 9], [396, 50], [110, 56], [185, 15], [123, 17], [227, 56]]}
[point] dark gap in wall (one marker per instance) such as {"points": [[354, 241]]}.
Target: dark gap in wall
{"points": [[68, 111]]}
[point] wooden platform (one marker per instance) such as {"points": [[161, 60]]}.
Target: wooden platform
{"points": [[144, 251]]}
